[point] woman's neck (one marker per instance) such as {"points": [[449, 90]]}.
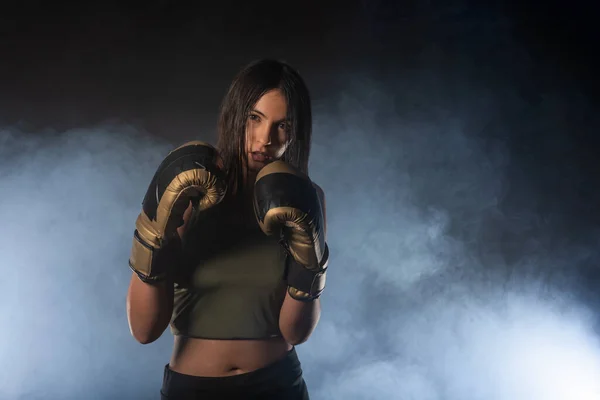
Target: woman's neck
{"points": [[249, 176], [245, 188]]}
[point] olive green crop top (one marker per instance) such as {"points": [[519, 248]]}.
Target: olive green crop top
{"points": [[230, 283]]}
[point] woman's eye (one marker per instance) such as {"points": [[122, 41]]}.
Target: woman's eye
{"points": [[254, 117], [283, 126]]}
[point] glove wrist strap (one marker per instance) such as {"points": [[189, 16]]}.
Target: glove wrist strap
{"points": [[150, 263], [307, 284], [148, 279]]}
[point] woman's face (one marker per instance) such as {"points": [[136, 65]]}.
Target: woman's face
{"points": [[267, 130]]}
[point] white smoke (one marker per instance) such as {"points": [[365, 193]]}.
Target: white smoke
{"points": [[445, 282]]}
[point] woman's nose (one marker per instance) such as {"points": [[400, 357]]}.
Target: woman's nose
{"points": [[263, 134]]}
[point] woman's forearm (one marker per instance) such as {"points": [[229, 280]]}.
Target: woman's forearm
{"points": [[149, 308], [298, 319]]}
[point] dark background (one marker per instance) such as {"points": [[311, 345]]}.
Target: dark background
{"points": [[457, 143], [166, 64]]}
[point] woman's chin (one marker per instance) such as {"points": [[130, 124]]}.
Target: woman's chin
{"points": [[255, 166]]}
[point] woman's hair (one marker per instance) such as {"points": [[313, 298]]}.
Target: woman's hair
{"points": [[248, 86]]}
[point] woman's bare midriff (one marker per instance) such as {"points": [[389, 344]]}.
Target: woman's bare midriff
{"points": [[217, 358]]}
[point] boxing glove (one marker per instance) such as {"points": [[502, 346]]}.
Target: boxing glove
{"points": [[191, 172], [286, 203]]}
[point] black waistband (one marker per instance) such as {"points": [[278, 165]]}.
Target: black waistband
{"points": [[286, 372]]}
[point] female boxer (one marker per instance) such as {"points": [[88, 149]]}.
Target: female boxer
{"points": [[230, 250]]}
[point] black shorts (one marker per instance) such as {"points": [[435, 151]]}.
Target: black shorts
{"points": [[281, 380]]}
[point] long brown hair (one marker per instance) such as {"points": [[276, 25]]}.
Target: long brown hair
{"points": [[248, 86]]}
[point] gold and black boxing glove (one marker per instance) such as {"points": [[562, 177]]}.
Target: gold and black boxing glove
{"points": [[191, 172], [287, 204]]}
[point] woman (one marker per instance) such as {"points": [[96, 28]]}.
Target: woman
{"points": [[235, 305]]}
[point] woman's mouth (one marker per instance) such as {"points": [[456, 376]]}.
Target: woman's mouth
{"points": [[260, 157]]}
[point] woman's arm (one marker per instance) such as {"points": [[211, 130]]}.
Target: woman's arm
{"points": [[150, 306], [298, 319]]}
